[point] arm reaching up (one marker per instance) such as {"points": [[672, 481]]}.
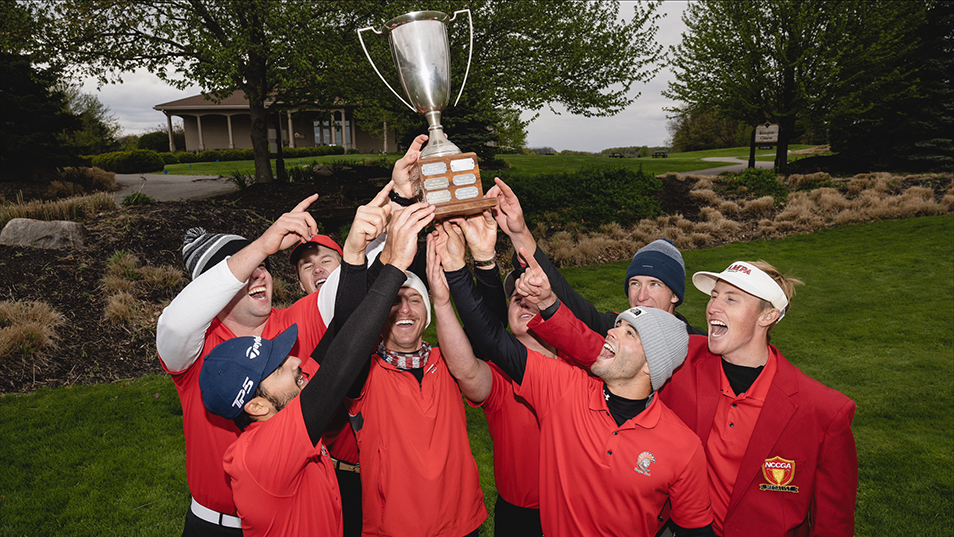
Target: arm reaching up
{"points": [[473, 375]]}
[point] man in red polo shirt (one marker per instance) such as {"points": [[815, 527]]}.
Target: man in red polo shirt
{"points": [[281, 476], [418, 474], [511, 420], [230, 296], [315, 262], [611, 454], [781, 454]]}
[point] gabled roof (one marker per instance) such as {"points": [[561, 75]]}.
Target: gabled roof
{"points": [[235, 101]]}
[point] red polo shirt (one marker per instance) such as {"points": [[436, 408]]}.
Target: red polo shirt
{"points": [[207, 436], [516, 434], [418, 475], [598, 478], [732, 428], [281, 483]]}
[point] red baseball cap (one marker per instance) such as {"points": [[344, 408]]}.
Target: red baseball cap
{"points": [[320, 240]]}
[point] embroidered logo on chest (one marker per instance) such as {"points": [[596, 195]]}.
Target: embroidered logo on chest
{"points": [[779, 473], [643, 461]]}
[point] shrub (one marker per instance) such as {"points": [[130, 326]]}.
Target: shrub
{"points": [[591, 196], [135, 161], [211, 155], [164, 277], [63, 209], [137, 198], [28, 330], [169, 158], [60, 189], [91, 179], [125, 265], [240, 180], [155, 141], [185, 157], [754, 183]]}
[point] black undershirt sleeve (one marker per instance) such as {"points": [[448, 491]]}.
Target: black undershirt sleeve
{"points": [[491, 289], [490, 337], [348, 353], [581, 308], [347, 298]]}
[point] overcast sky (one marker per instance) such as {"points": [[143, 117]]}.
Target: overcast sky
{"points": [[643, 123]]}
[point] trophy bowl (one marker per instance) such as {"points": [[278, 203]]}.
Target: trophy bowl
{"points": [[421, 53]]}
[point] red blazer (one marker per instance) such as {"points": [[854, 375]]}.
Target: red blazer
{"points": [[803, 421]]}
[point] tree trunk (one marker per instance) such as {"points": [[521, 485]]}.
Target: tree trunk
{"points": [[752, 149], [785, 127], [259, 117]]}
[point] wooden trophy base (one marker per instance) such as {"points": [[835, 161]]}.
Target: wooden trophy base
{"points": [[452, 184]]}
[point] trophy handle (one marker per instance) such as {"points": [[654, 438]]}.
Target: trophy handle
{"points": [[396, 94], [470, 50]]}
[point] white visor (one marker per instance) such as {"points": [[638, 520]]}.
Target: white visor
{"points": [[748, 278]]}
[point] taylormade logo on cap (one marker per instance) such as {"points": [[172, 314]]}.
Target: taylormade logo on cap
{"points": [[255, 349]]}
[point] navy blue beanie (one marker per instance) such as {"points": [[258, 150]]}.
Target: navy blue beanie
{"points": [[661, 260]]}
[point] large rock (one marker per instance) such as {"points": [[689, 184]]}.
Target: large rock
{"points": [[55, 234]]}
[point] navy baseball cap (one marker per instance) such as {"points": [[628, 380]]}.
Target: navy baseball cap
{"points": [[234, 369]]}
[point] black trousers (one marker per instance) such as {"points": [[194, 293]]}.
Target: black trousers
{"points": [[513, 521], [196, 527], [349, 486]]}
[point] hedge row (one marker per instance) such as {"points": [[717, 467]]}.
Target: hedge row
{"points": [[146, 160], [590, 196]]}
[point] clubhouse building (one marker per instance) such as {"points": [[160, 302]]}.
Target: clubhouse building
{"points": [[226, 125]]}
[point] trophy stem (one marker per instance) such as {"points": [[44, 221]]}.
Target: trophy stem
{"points": [[437, 145]]}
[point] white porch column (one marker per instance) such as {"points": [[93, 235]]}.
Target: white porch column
{"points": [[228, 120], [334, 134], [354, 141], [198, 121], [291, 131], [172, 142]]}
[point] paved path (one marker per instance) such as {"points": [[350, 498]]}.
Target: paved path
{"points": [[171, 187], [737, 166]]}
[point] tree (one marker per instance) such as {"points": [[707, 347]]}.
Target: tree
{"points": [[293, 53], [100, 129], [773, 60], [706, 130], [896, 109]]}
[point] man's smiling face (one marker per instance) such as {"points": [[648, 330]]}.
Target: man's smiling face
{"points": [[519, 313], [405, 325], [314, 266]]}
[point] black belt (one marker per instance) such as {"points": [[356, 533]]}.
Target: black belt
{"points": [[344, 466]]}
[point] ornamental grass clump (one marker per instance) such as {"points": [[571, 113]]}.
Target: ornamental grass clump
{"points": [[28, 332]]}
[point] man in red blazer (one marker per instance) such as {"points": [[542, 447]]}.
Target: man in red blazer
{"points": [[781, 454]]}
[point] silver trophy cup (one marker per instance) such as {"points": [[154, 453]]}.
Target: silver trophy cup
{"points": [[422, 56]]}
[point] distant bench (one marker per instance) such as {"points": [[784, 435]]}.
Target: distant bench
{"points": [[660, 154], [616, 155]]}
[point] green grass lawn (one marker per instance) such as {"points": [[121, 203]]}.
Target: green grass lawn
{"points": [[873, 320], [527, 164]]}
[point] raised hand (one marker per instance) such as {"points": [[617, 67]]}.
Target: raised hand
{"points": [[401, 245], [291, 228], [402, 175], [369, 221], [439, 289], [534, 285], [480, 230], [509, 216], [453, 246]]}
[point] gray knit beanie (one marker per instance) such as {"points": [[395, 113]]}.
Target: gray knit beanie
{"points": [[659, 259], [201, 250], [664, 338]]}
